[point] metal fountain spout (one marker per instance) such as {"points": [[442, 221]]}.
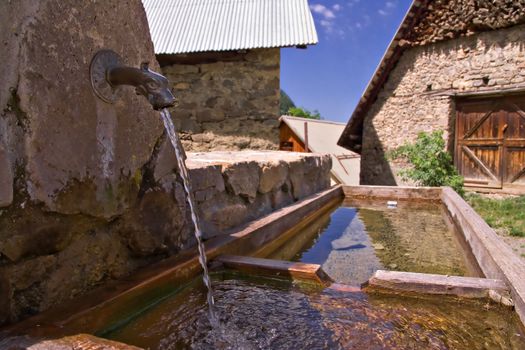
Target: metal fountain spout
{"points": [[108, 74]]}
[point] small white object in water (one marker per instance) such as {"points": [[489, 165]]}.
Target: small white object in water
{"points": [[391, 204]]}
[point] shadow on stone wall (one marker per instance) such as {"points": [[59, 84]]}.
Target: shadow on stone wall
{"points": [[375, 168]]}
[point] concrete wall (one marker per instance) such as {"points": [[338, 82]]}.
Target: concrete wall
{"points": [[417, 95], [227, 101]]}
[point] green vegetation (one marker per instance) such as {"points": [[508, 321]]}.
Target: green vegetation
{"points": [[507, 214], [431, 164], [286, 103], [288, 107], [303, 113]]}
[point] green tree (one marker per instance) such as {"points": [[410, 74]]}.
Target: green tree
{"points": [[303, 113], [431, 164], [286, 103]]}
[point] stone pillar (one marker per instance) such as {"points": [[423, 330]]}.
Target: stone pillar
{"points": [[80, 203], [70, 143]]}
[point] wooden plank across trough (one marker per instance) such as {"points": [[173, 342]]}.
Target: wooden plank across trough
{"points": [[466, 287], [296, 270]]}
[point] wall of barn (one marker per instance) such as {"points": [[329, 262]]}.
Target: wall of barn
{"points": [[228, 100], [419, 93]]}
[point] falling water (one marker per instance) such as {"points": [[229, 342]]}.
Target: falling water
{"points": [[174, 138]]}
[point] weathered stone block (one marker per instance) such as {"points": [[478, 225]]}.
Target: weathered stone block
{"points": [[273, 176], [5, 297], [24, 275], [85, 263], [182, 86], [39, 238], [6, 179], [210, 115], [281, 197], [205, 177], [70, 135], [242, 179], [155, 224], [221, 213]]}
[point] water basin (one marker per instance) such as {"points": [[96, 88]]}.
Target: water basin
{"points": [[358, 237], [264, 313]]}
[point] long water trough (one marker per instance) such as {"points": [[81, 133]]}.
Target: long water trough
{"points": [[339, 269]]}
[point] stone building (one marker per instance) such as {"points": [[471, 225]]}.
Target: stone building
{"points": [[456, 66], [223, 59]]}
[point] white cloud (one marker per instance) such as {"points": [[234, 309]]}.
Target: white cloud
{"points": [[387, 9], [326, 23], [390, 4], [323, 11], [336, 7]]}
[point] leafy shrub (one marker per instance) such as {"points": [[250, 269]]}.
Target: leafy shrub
{"points": [[431, 164]]}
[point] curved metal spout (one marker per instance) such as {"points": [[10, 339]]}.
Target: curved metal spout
{"points": [[108, 73], [152, 85]]}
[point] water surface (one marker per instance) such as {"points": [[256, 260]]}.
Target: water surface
{"points": [[272, 314], [357, 238]]}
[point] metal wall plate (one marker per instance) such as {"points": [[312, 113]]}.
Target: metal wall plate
{"points": [[101, 62]]}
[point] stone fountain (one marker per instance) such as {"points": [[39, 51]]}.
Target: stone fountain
{"points": [[90, 191]]}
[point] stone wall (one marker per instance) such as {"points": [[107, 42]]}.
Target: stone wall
{"points": [[230, 103], [418, 95], [89, 191], [232, 188]]}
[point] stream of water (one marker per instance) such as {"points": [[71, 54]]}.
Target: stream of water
{"points": [[174, 138]]}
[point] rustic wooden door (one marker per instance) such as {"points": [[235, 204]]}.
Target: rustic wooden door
{"points": [[490, 141], [514, 144]]}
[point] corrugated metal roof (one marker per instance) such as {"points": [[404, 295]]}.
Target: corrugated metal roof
{"points": [[183, 26], [322, 138]]}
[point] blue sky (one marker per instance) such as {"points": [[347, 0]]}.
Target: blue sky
{"points": [[353, 36]]}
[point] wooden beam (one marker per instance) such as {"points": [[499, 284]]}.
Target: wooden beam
{"points": [[306, 146], [494, 257], [466, 287], [476, 160], [479, 122], [296, 270]]}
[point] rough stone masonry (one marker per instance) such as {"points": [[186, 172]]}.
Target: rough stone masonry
{"points": [[228, 104], [418, 95]]}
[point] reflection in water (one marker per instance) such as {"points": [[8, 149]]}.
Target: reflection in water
{"points": [[360, 237], [272, 314]]}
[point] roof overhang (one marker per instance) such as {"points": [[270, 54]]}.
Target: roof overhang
{"points": [[352, 136], [192, 26]]}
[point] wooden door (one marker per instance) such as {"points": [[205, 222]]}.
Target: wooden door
{"points": [[514, 143], [490, 141]]}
